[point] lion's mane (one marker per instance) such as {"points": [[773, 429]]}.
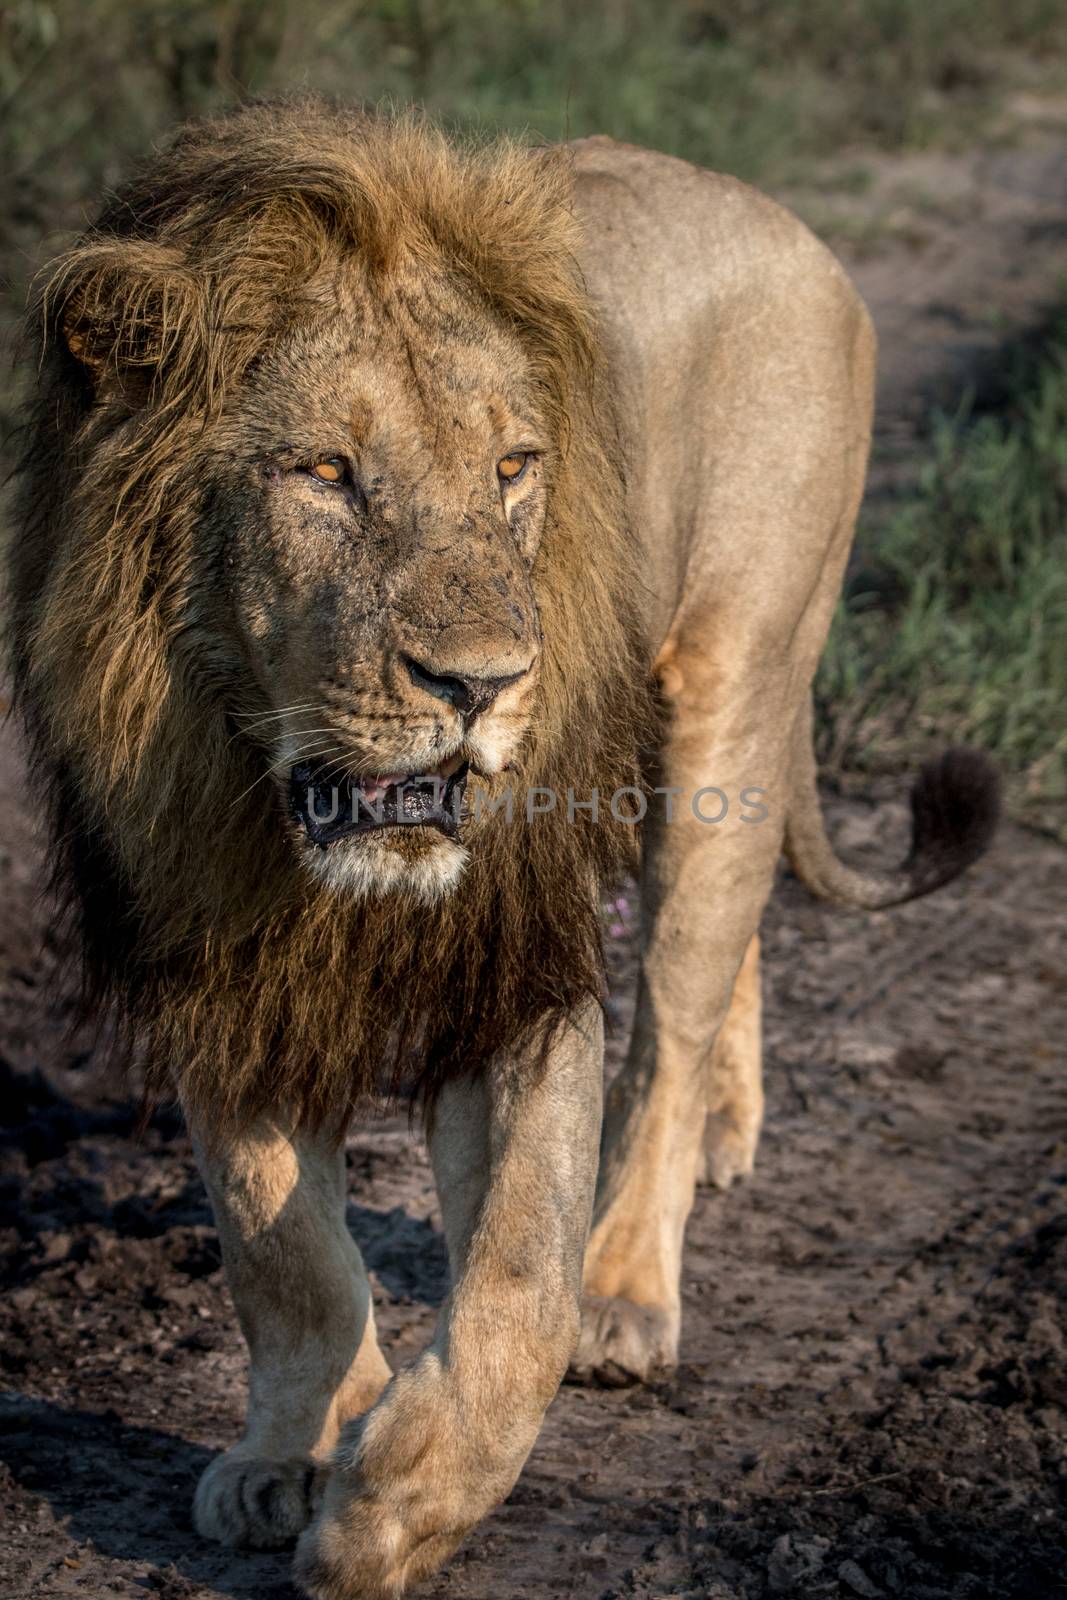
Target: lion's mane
{"points": [[240, 979]]}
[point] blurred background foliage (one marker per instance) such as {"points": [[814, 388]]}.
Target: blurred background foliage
{"points": [[953, 622], [956, 625], [760, 88]]}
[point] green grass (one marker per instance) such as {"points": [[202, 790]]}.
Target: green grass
{"points": [[759, 88], [954, 628]]}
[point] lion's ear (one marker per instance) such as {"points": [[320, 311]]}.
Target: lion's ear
{"points": [[128, 311]]}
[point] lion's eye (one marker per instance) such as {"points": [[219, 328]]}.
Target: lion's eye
{"points": [[510, 468], [332, 470]]}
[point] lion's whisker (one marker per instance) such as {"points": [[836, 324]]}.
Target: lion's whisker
{"points": [[286, 761], [271, 716]]}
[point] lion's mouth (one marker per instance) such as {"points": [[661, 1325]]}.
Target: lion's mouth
{"points": [[330, 806]]}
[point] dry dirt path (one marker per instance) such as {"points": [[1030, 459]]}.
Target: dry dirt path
{"points": [[873, 1376], [971, 250]]}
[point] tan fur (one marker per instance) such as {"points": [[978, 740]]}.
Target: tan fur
{"points": [[279, 1198], [735, 1081], [692, 376]]}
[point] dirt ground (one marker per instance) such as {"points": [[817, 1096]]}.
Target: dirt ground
{"points": [[871, 1396]]}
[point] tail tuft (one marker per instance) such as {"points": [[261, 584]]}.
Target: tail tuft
{"points": [[955, 808], [955, 805]]}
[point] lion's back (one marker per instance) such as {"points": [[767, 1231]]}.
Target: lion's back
{"points": [[729, 331], [667, 241]]}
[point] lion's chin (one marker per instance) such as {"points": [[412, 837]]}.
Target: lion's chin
{"points": [[423, 870]]}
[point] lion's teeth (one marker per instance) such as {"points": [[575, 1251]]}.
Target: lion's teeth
{"points": [[371, 788], [376, 785]]}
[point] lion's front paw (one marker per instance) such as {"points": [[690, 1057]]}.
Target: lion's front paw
{"points": [[623, 1343], [407, 1482], [364, 1552], [250, 1500]]}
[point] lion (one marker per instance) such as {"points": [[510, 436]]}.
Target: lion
{"points": [[375, 481]]}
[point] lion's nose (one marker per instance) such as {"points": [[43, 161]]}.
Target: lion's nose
{"points": [[468, 695]]}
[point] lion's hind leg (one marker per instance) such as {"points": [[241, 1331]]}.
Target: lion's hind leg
{"points": [[707, 869], [735, 1081], [304, 1305]]}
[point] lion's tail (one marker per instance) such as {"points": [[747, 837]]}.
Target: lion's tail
{"points": [[955, 807]]}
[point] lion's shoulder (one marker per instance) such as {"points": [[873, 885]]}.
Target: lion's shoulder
{"points": [[676, 230]]}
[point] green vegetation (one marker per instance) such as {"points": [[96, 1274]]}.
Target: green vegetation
{"points": [[757, 87], [955, 627], [760, 88]]}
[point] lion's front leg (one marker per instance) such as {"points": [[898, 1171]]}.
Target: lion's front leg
{"points": [[515, 1156], [303, 1301]]}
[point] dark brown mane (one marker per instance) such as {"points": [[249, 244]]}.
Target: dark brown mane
{"points": [[240, 978]]}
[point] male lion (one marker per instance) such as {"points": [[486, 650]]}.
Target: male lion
{"points": [[372, 467]]}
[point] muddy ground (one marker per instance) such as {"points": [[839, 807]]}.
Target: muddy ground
{"points": [[871, 1396]]}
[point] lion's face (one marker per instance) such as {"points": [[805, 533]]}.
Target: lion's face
{"points": [[382, 495], [326, 399]]}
